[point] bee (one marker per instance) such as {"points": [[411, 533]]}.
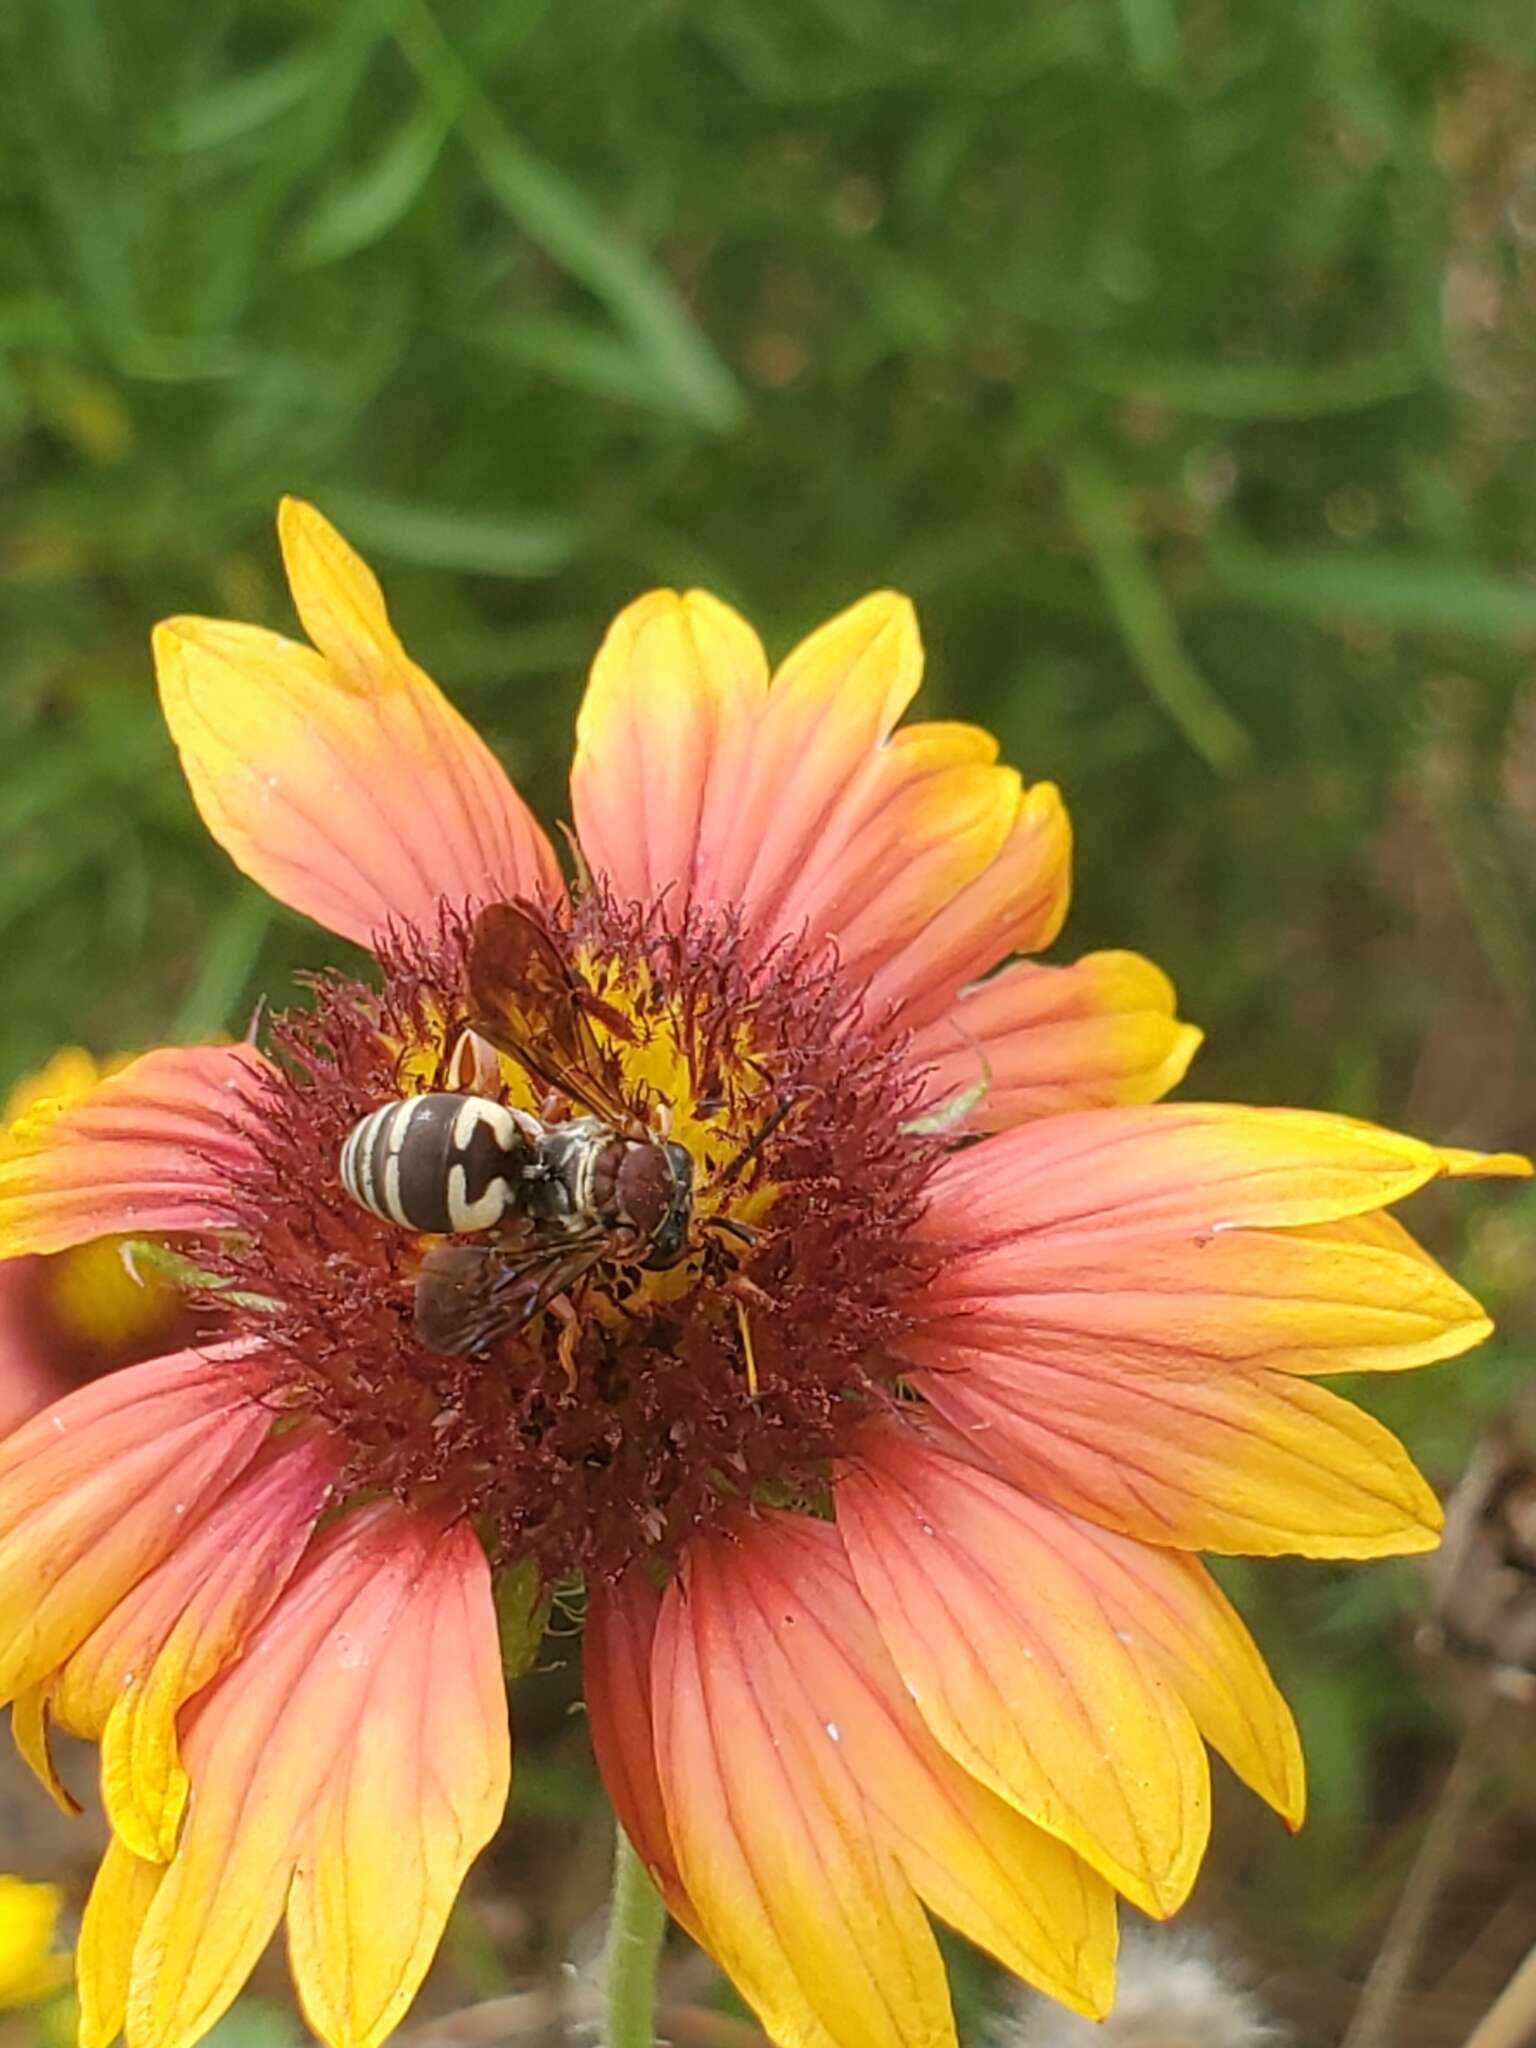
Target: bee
{"points": [[550, 1196]]}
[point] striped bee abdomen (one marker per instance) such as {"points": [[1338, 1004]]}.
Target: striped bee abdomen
{"points": [[437, 1162]]}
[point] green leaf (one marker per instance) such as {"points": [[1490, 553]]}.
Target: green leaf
{"points": [[241, 105], [553, 212], [359, 210], [1404, 591], [437, 537], [1145, 617]]}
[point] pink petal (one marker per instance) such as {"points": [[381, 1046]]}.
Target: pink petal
{"points": [[350, 1765], [1035, 1041], [1194, 1167], [999, 1633], [1018, 904], [1257, 1463], [662, 739], [97, 1489], [342, 781], [798, 1779], [182, 1623], [157, 1146], [617, 1641]]}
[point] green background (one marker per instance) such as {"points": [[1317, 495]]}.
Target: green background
{"points": [[1177, 359]]}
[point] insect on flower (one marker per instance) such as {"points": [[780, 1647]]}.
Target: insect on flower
{"points": [[853, 1320], [558, 1196]]}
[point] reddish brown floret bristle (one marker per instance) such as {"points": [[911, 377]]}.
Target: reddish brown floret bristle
{"points": [[659, 1416]]}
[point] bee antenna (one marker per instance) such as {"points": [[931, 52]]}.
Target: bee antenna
{"points": [[732, 1169]]}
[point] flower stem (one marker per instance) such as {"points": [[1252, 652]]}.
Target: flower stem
{"points": [[636, 1925]]}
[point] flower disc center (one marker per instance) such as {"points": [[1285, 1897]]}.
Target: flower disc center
{"points": [[642, 1393]]}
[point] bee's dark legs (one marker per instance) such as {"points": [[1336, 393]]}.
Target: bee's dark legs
{"points": [[729, 1227]]}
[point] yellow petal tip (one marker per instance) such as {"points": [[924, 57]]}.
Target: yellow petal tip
{"points": [[1459, 1163]]}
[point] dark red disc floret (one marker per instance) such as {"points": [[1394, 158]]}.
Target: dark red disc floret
{"points": [[659, 1420]]}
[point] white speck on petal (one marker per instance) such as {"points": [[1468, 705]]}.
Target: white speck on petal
{"points": [[834, 1731]]}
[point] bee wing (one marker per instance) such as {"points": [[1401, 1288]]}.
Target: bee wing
{"points": [[469, 1296], [532, 1005]]}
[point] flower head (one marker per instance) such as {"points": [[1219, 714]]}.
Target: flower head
{"points": [[860, 1330], [30, 1969]]}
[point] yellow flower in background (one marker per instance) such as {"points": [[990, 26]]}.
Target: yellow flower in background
{"points": [[885, 1444], [30, 1971], [71, 1316]]}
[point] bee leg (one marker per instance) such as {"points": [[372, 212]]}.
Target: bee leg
{"points": [[749, 1356], [563, 1309], [727, 1226], [746, 1293]]}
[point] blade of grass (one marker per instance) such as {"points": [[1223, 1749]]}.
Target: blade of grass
{"points": [[1402, 591], [1152, 30], [242, 105], [229, 956], [1256, 391], [437, 537], [1141, 609], [556, 215], [360, 209]]}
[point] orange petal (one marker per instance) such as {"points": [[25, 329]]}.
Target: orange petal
{"points": [[1040, 1040], [662, 739], [919, 820], [833, 700], [849, 1758], [796, 802], [114, 1916], [989, 1607], [351, 1763], [1355, 1295], [1018, 904], [1004, 1883], [97, 1489], [28, 1377], [797, 1900], [1194, 1167], [154, 1147], [1251, 1462], [32, 1734], [342, 781], [182, 1624], [759, 772], [1166, 1604], [617, 1641]]}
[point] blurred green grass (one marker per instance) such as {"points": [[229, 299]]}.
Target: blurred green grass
{"points": [[1177, 358]]}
